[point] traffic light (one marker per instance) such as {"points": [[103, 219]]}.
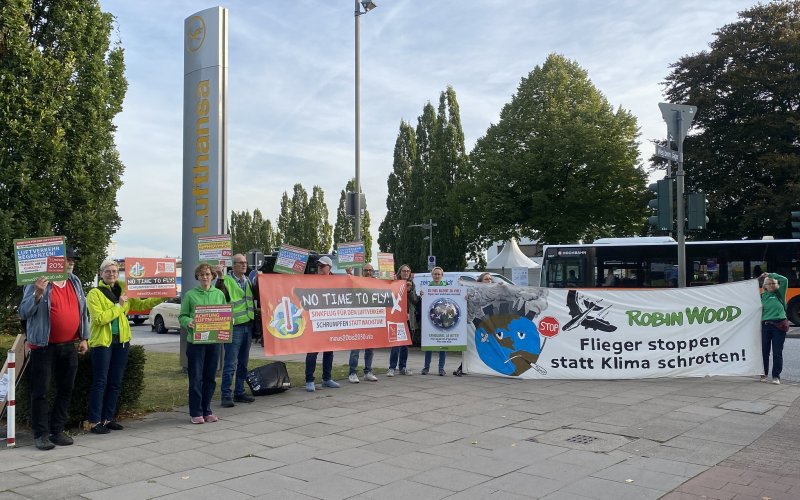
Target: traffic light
{"points": [[662, 203], [795, 224], [697, 211]]}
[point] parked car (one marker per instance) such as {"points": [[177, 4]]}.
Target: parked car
{"points": [[164, 316], [422, 279]]}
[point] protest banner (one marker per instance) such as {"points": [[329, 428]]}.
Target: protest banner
{"points": [[43, 257], [215, 250], [444, 318], [312, 313], [291, 260], [386, 266], [350, 255], [212, 324], [150, 277], [619, 334]]}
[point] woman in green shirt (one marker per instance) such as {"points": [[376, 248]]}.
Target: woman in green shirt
{"points": [[773, 312]]}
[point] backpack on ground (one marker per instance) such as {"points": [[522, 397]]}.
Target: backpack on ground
{"points": [[271, 378]]}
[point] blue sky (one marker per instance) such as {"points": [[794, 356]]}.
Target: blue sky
{"points": [[291, 81]]}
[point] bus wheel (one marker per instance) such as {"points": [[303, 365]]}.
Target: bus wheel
{"points": [[793, 310]]}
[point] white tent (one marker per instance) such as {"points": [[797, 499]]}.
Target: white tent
{"points": [[510, 257]]}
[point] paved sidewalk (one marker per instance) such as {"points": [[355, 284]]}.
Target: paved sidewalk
{"points": [[424, 437]]}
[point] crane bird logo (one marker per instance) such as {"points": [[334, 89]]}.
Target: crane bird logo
{"points": [[195, 33]]}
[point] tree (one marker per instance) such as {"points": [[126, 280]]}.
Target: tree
{"points": [[343, 229], [284, 220], [745, 153], [394, 226], [251, 232], [61, 85], [561, 165], [319, 226]]}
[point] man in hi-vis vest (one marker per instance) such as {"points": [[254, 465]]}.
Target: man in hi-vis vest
{"points": [[239, 294]]}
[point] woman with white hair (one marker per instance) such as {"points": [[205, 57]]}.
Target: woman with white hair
{"points": [[110, 343]]}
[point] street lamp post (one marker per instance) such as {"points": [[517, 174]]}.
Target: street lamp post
{"points": [[368, 5], [429, 226]]}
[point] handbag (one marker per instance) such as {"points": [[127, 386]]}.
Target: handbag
{"points": [[782, 325], [269, 379]]}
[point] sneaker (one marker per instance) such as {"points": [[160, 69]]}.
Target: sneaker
{"points": [[370, 376], [424, 371], [441, 372], [353, 378], [331, 384], [43, 443], [763, 378], [227, 403], [243, 398], [113, 426], [390, 373], [406, 371], [211, 419], [99, 428], [61, 439], [310, 387], [776, 381], [198, 420]]}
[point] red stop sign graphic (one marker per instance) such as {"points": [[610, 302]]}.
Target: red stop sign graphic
{"points": [[549, 326]]}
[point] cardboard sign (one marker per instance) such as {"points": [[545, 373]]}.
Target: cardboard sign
{"points": [[350, 255], [386, 266], [212, 324], [215, 250], [291, 260], [40, 258], [147, 277], [444, 318]]}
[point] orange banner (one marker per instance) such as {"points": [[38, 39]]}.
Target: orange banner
{"points": [[312, 313]]}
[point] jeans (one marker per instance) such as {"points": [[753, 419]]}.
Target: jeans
{"points": [[442, 356], [203, 359], [400, 352], [368, 354], [60, 362], [237, 353], [108, 367], [773, 338], [311, 365]]}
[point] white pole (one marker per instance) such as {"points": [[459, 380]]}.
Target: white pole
{"points": [[11, 398]]}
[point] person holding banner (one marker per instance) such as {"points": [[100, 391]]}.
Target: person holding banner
{"points": [[203, 358], [55, 319], [238, 292], [774, 324], [369, 272], [110, 343], [398, 356], [324, 265], [437, 279]]}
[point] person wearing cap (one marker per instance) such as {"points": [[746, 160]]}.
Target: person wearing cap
{"points": [[369, 272], [239, 294], [55, 321], [324, 266]]}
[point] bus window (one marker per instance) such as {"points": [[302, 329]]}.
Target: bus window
{"points": [[661, 273], [565, 273], [735, 270], [758, 267], [704, 272]]}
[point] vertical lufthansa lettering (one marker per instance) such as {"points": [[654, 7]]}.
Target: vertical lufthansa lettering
{"points": [[200, 169]]}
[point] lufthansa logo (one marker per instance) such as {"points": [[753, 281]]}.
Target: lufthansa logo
{"points": [[195, 33]]}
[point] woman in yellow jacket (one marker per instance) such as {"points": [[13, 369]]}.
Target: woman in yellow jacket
{"points": [[109, 342]]}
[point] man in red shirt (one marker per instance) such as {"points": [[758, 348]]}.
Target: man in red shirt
{"points": [[57, 328]]}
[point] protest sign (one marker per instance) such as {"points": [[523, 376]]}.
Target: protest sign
{"points": [[43, 257], [312, 313], [215, 250], [444, 318], [350, 255], [212, 324], [291, 260], [597, 334], [386, 266], [150, 277]]}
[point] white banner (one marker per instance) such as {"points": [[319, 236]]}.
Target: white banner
{"points": [[598, 334], [444, 321]]}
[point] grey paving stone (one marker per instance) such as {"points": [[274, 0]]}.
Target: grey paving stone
{"points": [[666, 466], [261, 483], [335, 487], [563, 495], [230, 450], [729, 433], [450, 478], [10, 495], [61, 468], [245, 466], [379, 473], [208, 492], [353, 457], [427, 437], [456, 428], [56, 454], [193, 478], [277, 439], [417, 460], [60, 487], [173, 445], [113, 441], [603, 489], [9, 460], [481, 492], [290, 453], [132, 491], [526, 451], [348, 422], [404, 489], [559, 471], [114, 475], [333, 442], [222, 435], [14, 479], [660, 429], [264, 427], [248, 415], [404, 425], [540, 424], [181, 460], [283, 495], [702, 410], [310, 469], [122, 456], [375, 434], [594, 461], [524, 484], [514, 432], [625, 472], [710, 455], [393, 447]]}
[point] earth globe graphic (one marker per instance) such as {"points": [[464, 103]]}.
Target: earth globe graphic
{"points": [[444, 314]]}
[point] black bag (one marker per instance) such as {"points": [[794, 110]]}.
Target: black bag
{"points": [[269, 379]]}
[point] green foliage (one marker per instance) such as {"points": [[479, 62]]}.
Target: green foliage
{"points": [[746, 153], [61, 85], [132, 387], [393, 229], [250, 232], [561, 165], [305, 223], [320, 230], [343, 231]]}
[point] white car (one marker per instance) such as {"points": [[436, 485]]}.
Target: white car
{"points": [[164, 316]]}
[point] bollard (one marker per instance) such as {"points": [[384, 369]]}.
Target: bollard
{"points": [[11, 398]]}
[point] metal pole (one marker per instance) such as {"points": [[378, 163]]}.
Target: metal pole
{"points": [[11, 397], [430, 237], [357, 201], [680, 222]]}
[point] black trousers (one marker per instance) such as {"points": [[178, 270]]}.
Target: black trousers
{"points": [[59, 362]]}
